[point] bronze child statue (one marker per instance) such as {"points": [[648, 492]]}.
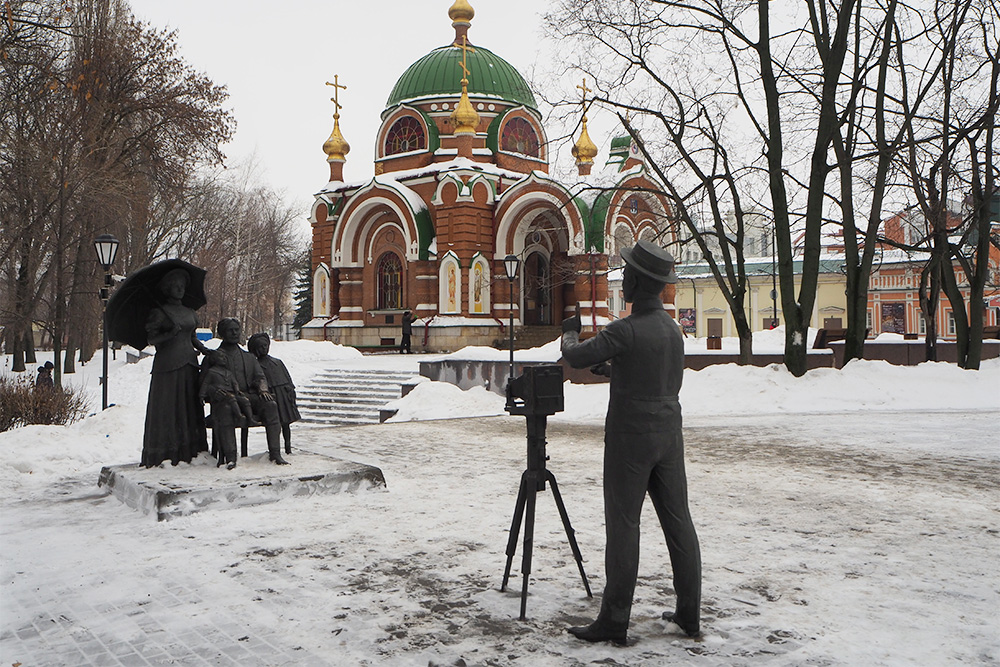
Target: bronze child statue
{"points": [[280, 383], [220, 390]]}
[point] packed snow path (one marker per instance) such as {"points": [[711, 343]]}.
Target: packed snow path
{"points": [[838, 539]]}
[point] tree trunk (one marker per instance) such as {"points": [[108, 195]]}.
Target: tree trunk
{"points": [[857, 314], [29, 346], [17, 352]]}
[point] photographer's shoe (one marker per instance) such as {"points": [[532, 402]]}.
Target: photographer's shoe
{"points": [[597, 632], [687, 628]]}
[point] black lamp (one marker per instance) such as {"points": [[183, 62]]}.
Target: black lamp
{"points": [[510, 264], [107, 249]]}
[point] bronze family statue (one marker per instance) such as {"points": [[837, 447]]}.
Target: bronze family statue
{"points": [[643, 443], [156, 305]]}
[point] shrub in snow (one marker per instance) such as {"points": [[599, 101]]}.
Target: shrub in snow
{"points": [[22, 404]]}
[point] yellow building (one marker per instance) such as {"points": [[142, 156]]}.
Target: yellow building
{"points": [[702, 310]]}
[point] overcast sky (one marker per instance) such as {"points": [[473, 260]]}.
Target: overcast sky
{"points": [[275, 59]]}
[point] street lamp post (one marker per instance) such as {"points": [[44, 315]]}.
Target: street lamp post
{"points": [[510, 264], [107, 248]]}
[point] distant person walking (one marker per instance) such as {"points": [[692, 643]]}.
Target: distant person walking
{"points": [[643, 443], [408, 320], [44, 380]]}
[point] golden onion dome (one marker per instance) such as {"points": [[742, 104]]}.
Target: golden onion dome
{"points": [[584, 149], [461, 12], [336, 147], [464, 117]]}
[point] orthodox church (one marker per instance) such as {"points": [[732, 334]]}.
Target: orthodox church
{"points": [[461, 182]]}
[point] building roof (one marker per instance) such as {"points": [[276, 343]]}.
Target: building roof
{"points": [[438, 73]]}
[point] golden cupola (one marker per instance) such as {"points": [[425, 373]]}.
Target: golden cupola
{"points": [[464, 117], [584, 149], [336, 147], [461, 12]]}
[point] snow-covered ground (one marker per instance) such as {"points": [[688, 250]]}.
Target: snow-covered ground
{"points": [[847, 518]]}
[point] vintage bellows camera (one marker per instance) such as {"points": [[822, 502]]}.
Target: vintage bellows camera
{"points": [[537, 391]]}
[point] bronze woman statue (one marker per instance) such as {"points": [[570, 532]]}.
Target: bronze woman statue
{"points": [[175, 418]]}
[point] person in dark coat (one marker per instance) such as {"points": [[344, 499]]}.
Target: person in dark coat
{"points": [[408, 320], [175, 417], [643, 444], [280, 382], [252, 382], [44, 380]]}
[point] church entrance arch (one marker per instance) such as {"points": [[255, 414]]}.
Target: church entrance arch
{"points": [[537, 290]]}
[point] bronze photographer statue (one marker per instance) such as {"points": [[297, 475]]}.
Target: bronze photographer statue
{"points": [[643, 443]]}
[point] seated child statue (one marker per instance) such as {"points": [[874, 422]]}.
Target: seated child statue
{"points": [[229, 405], [280, 383]]}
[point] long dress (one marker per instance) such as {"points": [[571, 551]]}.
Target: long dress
{"points": [[175, 417], [279, 381]]}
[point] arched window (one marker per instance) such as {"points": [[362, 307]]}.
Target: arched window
{"points": [[390, 289], [405, 135], [519, 137]]}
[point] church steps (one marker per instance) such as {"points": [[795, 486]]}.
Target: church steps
{"points": [[349, 397]]}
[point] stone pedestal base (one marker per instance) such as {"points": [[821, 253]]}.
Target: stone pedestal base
{"points": [[172, 491]]}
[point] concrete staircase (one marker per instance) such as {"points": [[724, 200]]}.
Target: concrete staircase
{"points": [[347, 397]]}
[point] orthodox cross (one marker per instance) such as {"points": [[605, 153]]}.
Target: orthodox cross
{"points": [[585, 90], [465, 50], [336, 93]]}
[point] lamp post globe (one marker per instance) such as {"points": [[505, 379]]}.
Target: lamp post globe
{"points": [[106, 246]]}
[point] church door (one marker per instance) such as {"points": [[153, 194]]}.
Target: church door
{"points": [[537, 290]]}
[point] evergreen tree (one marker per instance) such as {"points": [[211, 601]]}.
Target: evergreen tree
{"points": [[303, 297]]}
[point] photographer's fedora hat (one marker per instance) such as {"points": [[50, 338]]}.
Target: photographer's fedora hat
{"points": [[651, 260]]}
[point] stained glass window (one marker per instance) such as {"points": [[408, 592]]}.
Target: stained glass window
{"points": [[405, 135], [390, 291], [519, 137]]}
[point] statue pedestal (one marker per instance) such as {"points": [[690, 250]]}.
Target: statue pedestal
{"points": [[173, 491]]}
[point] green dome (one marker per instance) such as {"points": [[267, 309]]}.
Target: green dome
{"points": [[438, 73]]}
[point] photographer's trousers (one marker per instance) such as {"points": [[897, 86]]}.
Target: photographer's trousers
{"points": [[634, 464]]}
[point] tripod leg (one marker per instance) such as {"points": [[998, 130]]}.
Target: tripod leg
{"points": [[515, 529], [529, 540], [570, 533]]}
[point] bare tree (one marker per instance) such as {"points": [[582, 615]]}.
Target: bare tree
{"points": [[102, 113], [832, 94], [952, 166]]}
